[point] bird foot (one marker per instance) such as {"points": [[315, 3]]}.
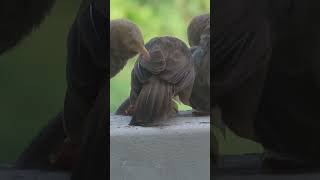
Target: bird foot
{"points": [[130, 110]]}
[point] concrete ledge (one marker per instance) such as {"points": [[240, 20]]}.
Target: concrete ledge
{"points": [[178, 149]]}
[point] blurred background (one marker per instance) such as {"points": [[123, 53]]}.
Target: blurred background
{"points": [[155, 18], [32, 81]]}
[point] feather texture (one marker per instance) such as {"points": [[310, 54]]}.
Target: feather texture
{"points": [[155, 82], [199, 40], [126, 41]]}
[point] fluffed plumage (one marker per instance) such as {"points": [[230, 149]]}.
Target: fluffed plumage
{"points": [[155, 82], [199, 40]]}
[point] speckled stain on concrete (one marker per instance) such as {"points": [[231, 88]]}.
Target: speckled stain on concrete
{"points": [[179, 149]]}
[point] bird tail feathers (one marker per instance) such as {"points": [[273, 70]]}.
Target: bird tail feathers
{"points": [[154, 103]]}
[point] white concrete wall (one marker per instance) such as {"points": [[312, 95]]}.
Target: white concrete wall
{"points": [[179, 149]]}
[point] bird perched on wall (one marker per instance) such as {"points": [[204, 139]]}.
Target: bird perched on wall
{"points": [[155, 82], [199, 40], [126, 41]]}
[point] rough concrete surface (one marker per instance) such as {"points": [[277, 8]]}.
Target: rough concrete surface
{"points": [[178, 149]]}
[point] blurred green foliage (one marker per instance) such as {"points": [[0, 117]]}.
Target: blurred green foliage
{"points": [[155, 18]]}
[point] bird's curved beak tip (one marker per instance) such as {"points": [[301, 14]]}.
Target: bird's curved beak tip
{"points": [[145, 53]]}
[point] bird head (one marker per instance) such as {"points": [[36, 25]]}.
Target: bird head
{"points": [[135, 43], [131, 38], [197, 27]]}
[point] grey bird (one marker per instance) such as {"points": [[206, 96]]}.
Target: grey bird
{"points": [[155, 83], [199, 40]]}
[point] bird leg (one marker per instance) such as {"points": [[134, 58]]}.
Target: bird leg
{"points": [[130, 110]]}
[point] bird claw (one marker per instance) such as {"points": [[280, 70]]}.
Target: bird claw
{"points": [[130, 110]]}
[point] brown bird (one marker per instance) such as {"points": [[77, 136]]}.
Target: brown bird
{"points": [[199, 40], [169, 73], [126, 41], [199, 26]]}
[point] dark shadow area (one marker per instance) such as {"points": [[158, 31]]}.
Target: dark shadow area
{"points": [[32, 78], [250, 166]]}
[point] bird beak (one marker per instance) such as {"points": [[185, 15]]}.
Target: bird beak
{"points": [[144, 52]]}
